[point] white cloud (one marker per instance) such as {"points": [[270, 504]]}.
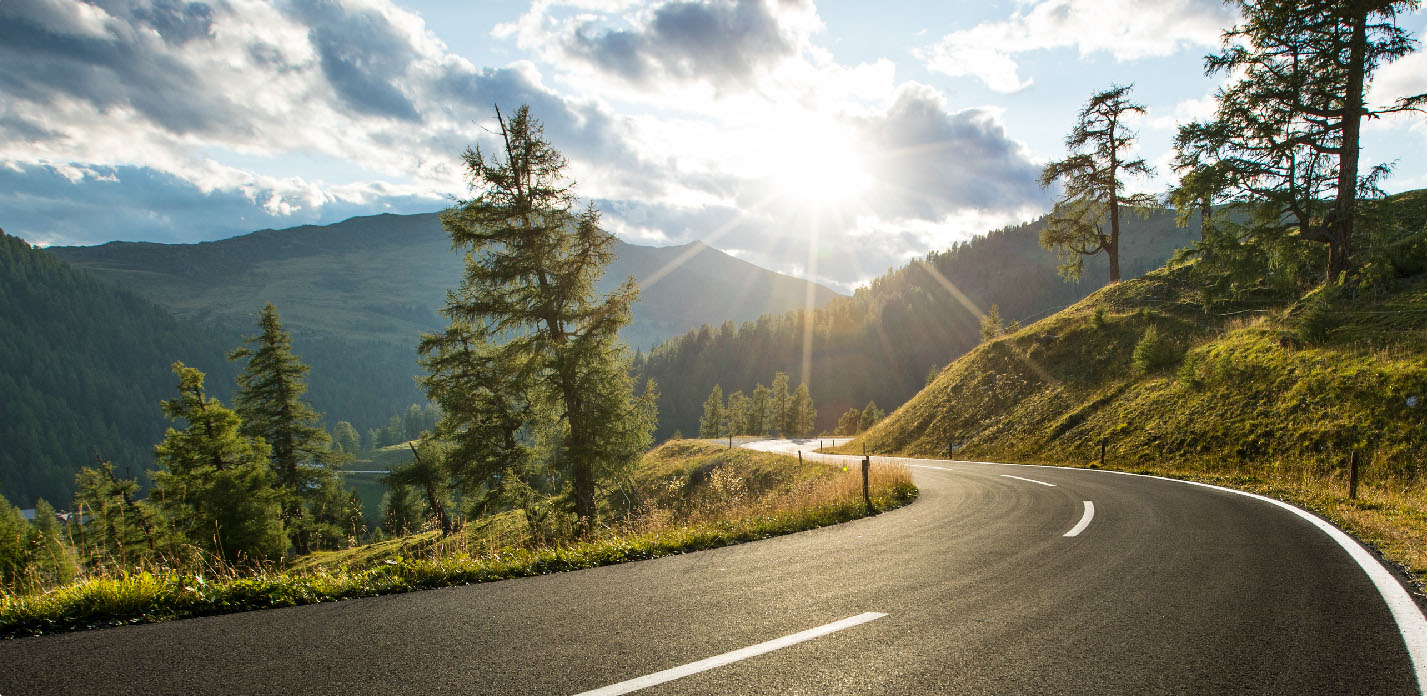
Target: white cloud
{"points": [[1125, 29]]}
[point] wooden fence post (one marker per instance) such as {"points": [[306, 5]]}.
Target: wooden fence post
{"points": [[866, 494]]}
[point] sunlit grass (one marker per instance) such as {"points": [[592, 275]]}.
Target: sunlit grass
{"points": [[735, 496]]}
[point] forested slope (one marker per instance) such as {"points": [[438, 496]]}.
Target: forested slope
{"points": [[356, 295], [83, 366], [881, 343]]}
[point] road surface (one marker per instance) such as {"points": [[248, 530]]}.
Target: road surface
{"points": [[979, 587]]}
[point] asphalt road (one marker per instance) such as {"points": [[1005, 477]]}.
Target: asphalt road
{"points": [[976, 589]]}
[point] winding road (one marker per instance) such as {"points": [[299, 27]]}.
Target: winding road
{"points": [[998, 580]]}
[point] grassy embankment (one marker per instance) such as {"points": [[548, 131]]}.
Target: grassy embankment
{"points": [[689, 495], [1267, 396]]}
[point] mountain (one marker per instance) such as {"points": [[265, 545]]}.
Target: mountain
{"points": [[83, 366], [384, 277], [881, 343], [90, 332], [357, 294]]}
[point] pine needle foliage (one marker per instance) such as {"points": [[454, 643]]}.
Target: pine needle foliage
{"points": [[1086, 219], [270, 400], [213, 483], [529, 373]]}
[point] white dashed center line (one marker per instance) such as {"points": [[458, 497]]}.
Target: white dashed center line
{"points": [[1019, 478], [1084, 520], [671, 674]]}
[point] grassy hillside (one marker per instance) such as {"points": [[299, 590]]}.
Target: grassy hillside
{"points": [[1271, 395], [881, 343]]}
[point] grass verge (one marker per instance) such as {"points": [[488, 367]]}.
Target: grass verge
{"points": [[677, 517]]}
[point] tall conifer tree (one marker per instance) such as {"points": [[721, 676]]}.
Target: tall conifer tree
{"points": [[1094, 189], [529, 372], [804, 416], [714, 422], [781, 405], [1285, 137], [270, 402], [213, 483]]}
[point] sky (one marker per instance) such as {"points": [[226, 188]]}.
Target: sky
{"points": [[829, 140]]}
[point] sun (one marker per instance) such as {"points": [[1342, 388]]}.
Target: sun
{"points": [[816, 164]]}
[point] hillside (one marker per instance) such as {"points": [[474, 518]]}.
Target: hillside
{"points": [[881, 343], [1272, 394], [383, 278], [83, 366]]}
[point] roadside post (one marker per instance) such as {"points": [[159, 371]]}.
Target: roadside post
{"points": [[1103, 441], [866, 494]]}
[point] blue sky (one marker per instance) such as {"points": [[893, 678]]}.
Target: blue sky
{"points": [[830, 139]]}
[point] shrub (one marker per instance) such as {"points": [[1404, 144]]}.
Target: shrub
{"points": [[1154, 352]]}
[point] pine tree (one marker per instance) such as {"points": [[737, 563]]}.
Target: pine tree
{"points": [[737, 411], [760, 411], [270, 402], [781, 404], [53, 557], [337, 518], [345, 437], [16, 539], [805, 416], [213, 484], [428, 474], [991, 324], [402, 510], [121, 528], [850, 423], [1285, 137], [1094, 191], [531, 355], [714, 422], [870, 415]]}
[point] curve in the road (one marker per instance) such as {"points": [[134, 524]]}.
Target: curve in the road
{"points": [[1410, 620], [1172, 589]]}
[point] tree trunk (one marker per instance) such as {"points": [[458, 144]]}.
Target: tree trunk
{"points": [[1340, 244], [1112, 250]]}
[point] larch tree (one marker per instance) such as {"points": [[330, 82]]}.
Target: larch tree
{"points": [[1286, 135], [714, 422], [804, 415], [270, 402], [760, 411], [213, 484], [345, 437], [991, 325], [781, 405], [529, 372], [1086, 219], [870, 415], [737, 410], [850, 423]]}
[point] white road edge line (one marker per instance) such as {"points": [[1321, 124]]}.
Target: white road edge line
{"points": [[671, 674], [1020, 478], [1084, 520], [1409, 617], [1410, 621]]}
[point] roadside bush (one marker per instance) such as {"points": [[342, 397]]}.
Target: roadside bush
{"points": [[1154, 352]]}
